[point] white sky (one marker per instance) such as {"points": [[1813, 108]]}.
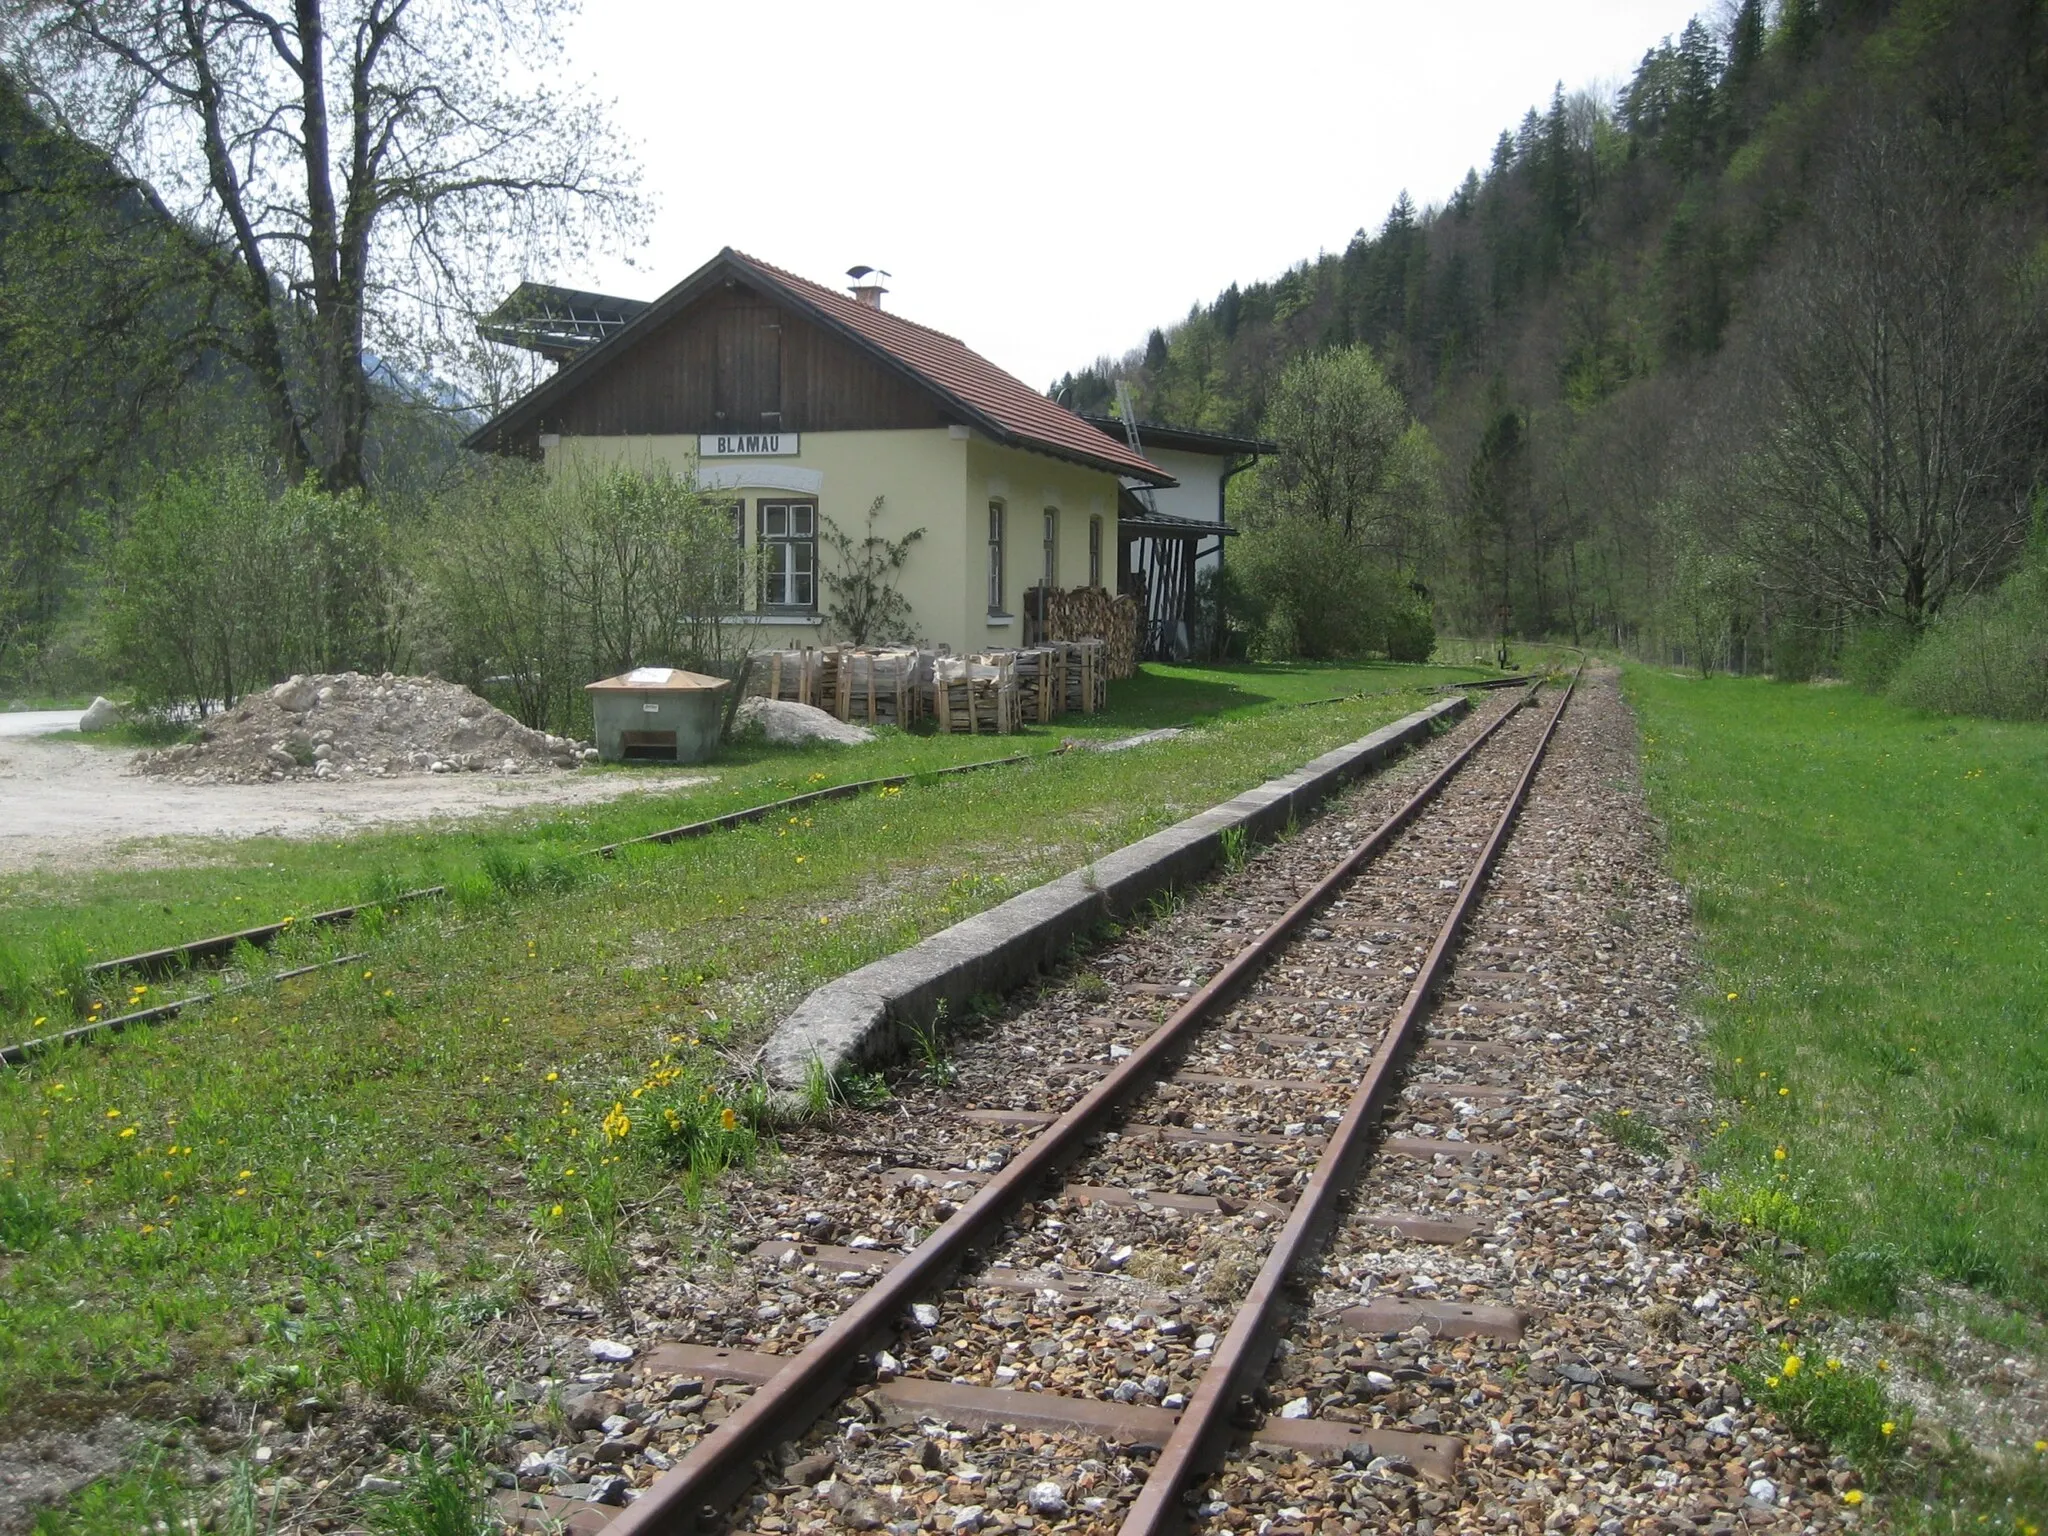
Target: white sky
{"points": [[1050, 181]]}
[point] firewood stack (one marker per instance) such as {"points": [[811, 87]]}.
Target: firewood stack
{"points": [[877, 687], [1090, 613], [1087, 680], [1041, 681], [975, 695]]}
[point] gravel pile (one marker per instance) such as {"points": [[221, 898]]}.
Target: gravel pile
{"points": [[344, 725]]}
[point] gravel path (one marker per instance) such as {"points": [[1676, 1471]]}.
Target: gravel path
{"points": [[1532, 1172]]}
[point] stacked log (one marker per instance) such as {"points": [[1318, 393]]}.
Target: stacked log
{"points": [[877, 687], [1090, 613], [1041, 681], [1086, 676], [793, 675], [975, 695]]}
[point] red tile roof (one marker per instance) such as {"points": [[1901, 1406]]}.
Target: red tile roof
{"points": [[1004, 406], [947, 363]]}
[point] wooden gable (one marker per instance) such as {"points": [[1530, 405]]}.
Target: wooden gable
{"points": [[736, 361]]}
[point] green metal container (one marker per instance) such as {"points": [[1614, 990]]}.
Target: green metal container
{"points": [[657, 715]]}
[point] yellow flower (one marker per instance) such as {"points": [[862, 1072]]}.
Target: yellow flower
{"points": [[1771, 1381], [554, 1077], [113, 1114], [1780, 1155], [1733, 995], [368, 974], [1853, 1497], [1887, 1428], [1784, 1092], [1792, 1366], [246, 1173], [727, 1120], [130, 1131], [557, 1211], [2041, 1446], [1793, 1302]]}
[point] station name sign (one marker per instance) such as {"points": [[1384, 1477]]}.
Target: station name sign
{"points": [[746, 445]]}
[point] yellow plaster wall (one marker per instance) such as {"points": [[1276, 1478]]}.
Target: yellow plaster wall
{"points": [[921, 476], [1028, 484]]}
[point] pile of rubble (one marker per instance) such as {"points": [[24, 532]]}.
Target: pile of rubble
{"points": [[347, 725]]}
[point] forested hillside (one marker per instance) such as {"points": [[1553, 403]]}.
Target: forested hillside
{"points": [[1748, 357]]}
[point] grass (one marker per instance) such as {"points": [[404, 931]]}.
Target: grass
{"points": [[1871, 885], [216, 887], [512, 1086]]}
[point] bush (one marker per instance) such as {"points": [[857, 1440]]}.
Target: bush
{"points": [[1319, 594], [1876, 651], [1985, 657], [219, 584], [540, 585], [1410, 631]]}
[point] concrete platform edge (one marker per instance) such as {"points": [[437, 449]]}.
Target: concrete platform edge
{"points": [[862, 1019]]}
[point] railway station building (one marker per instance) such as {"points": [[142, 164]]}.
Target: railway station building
{"points": [[807, 404]]}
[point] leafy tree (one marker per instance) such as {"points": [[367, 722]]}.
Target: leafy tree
{"points": [[365, 171]]}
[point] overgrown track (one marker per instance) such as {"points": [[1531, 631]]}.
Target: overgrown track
{"points": [[1373, 932]]}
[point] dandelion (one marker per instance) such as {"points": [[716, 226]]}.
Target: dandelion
{"points": [[1793, 1302], [130, 1131], [554, 1077], [1883, 1364], [1733, 995], [727, 1120], [246, 1173], [1793, 1365], [1771, 1382], [616, 1125], [368, 974], [1784, 1093], [1780, 1155], [557, 1211], [1853, 1497], [2041, 1446], [1887, 1429], [113, 1114]]}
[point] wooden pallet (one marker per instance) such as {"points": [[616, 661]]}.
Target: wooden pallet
{"points": [[877, 687]]}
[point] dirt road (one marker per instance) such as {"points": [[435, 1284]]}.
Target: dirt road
{"points": [[65, 805]]}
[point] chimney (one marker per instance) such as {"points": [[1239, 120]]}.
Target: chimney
{"points": [[867, 285]]}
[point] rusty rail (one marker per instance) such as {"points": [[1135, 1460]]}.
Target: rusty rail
{"points": [[722, 1464], [1245, 1350]]}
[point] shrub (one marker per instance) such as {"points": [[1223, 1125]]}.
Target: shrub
{"points": [[1988, 656], [1875, 652], [1410, 630], [218, 584], [1319, 593], [1795, 651], [1862, 1280]]}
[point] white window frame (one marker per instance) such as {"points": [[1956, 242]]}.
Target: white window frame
{"points": [[789, 557]]}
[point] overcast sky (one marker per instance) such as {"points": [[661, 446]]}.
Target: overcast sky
{"points": [[1049, 181]]}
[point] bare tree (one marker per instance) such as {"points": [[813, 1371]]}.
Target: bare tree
{"points": [[1902, 350], [371, 171]]}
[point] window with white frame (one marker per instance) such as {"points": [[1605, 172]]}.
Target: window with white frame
{"points": [[1051, 576], [789, 554], [1094, 551], [995, 557]]}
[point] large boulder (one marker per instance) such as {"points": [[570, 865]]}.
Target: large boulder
{"points": [[100, 715], [789, 724]]}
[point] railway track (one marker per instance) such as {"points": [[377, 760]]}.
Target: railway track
{"points": [[1090, 1304]]}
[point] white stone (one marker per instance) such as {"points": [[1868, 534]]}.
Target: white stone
{"points": [[1047, 1498], [965, 1517], [1721, 1424], [100, 715], [925, 1315], [887, 1366], [1764, 1491], [785, 723], [1297, 1408], [610, 1349]]}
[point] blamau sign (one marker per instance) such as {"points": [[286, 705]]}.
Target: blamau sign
{"points": [[746, 445]]}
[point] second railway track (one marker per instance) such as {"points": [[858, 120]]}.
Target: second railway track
{"points": [[1059, 1288]]}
